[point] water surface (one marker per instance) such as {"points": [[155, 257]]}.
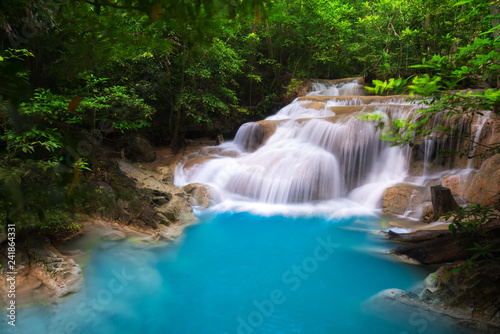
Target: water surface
{"points": [[240, 273]]}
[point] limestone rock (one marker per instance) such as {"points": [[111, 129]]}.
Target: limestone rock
{"points": [[425, 212], [114, 235], [490, 135], [396, 199], [178, 210], [42, 271], [470, 297], [484, 187], [139, 149], [268, 127], [199, 194], [170, 205], [455, 183], [166, 174], [404, 197]]}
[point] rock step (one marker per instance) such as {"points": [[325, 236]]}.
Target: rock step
{"points": [[362, 99], [367, 108]]}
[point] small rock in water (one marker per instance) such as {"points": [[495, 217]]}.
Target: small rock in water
{"points": [[113, 236]]}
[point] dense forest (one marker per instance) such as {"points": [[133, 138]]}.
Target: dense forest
{"points": [[80, 75]]}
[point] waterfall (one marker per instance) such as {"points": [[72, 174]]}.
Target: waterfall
{"points": [[440, 148], [336, 87], [477, 130], [317, 150]]}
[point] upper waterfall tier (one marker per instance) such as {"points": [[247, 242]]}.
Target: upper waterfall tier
{"points": [[351, 86]]}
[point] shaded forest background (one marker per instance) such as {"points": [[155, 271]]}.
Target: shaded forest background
{"points": [[79, 75]]}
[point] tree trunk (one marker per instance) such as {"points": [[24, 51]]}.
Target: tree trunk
{"points": [[495, 11], [442, 201], [269, 42], [425, 30], [178, 116]]}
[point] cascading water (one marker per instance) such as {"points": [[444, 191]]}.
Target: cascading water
{"points": [[464, 135], [477, 130], [315, 149]]}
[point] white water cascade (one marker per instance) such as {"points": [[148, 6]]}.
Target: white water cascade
{"points": [[314, 150]]}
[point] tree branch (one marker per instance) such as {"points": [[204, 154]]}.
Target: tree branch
{"points": [[109, 4]]}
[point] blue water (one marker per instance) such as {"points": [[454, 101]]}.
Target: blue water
{"points": [[240, 273]]}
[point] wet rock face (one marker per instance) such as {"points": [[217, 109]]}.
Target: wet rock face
{"points": [[199, 194], [396, 199], [477, 187], [406, 197], [251, 136], [177, 210], [476, 288], [456, 184], [170, 204], [484, 187]]}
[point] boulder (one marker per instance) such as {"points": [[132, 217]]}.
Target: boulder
{"points": [[405, 197], [169, 206], [396, 200], [199, 194], [490, 136], [139, 149], [484, 186], [456, 184], [178, 210], [113, 235], [167, 176]]}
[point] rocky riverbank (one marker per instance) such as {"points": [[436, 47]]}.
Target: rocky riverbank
{"points": [[155, 209], [467, 298], [467, 292]]}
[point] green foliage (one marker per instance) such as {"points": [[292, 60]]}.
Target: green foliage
{"points": [[393, 86], [209, 92], [438, 92], [473, 62], [484, 253], [292, 88], [14, 75], [86, 107], [469, 220], [28, 141]]}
